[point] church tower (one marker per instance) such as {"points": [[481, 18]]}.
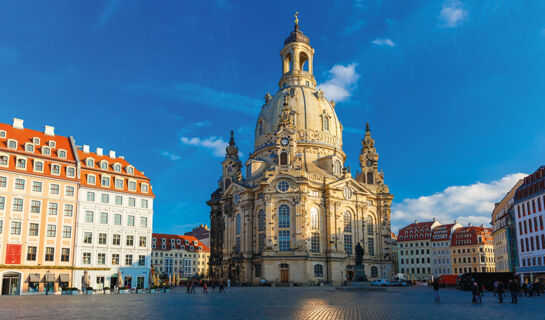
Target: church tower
{"points": [[232, 167], [369, 161]]}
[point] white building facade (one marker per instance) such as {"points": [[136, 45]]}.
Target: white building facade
{"points": [[415, 250], [114, 224], [440, 249]]}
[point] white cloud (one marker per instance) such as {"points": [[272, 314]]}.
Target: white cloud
{"points": [[170, 155], [215, 144], [384, 42], [466, 204], [453, 14], [342, 79]]}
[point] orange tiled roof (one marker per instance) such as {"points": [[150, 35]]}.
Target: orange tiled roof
{"points": [[416, 231], [98, 171], [467, 236], [442, 232], [168, 237], [26, 136]]}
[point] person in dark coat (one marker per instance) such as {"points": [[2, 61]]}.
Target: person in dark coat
{"points": [[436, 290], [537, 288], [476, 293], [500, 291], [525, 288], [514, 288]]}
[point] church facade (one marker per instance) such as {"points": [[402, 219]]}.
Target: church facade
{"points": [[297, 213]]}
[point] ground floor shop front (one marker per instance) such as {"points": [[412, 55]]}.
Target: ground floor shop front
{"points": [[34, 281], [99, 279]]}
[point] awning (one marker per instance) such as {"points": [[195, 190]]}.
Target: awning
{"points": [[34, 277], [49, 277], [63, 277]]}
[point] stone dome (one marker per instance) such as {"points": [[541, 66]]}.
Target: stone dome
{"points": [[314, 117]]}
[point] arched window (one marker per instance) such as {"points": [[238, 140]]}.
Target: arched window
{"points": [[325, 124], [347, 219], [283, 216], [238, 224], [287, 63], [90, 163], [314, 219], [370, 226], [227, 182], [283, 158], [302, 59], [370, 178], [374, 271], [318, 270], [261, 220], [337, 167]]}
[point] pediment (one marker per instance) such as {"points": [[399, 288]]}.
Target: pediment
{"points": [[352, 183]]}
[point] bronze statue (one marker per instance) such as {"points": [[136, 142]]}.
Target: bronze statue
{"points": [[359, 254]]}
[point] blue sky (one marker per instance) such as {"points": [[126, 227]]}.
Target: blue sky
{"points": [[454, 90]]}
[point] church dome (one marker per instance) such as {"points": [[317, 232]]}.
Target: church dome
{"points": [[313, 116]]}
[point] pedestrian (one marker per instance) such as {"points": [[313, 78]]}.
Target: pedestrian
{"points": [[530, 289], [500, 292], [213, 284], [514, 288], [222, 287], [204, 288], [481, 287], [188, 287], [525, 288], [537, 288], [495, 287], [475, 292], [436, 290], [193, 285]]}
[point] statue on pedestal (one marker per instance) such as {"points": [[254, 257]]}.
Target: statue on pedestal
{"points": [[359, 269]]}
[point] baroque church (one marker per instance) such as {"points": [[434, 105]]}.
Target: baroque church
{"points": [[297, 214]]}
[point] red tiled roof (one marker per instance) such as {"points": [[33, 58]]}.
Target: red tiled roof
{"points": [[441, 233], [415, 231], [24, 136], [97, 171], [159, 236], [467, 236]]}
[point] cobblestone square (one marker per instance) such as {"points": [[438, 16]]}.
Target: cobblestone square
{"points": [[273, 303]]}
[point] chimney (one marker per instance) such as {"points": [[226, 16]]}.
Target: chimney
{"points": [[121, 157], [482, 226], [99, 151], [112, 154], [18, 123], [455, 222], [434, 219], [415, 221], [86, 148], [49, 131], [469, 224]]}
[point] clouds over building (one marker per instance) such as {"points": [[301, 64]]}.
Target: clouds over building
{"points": [[341, 83], [452, 14]]}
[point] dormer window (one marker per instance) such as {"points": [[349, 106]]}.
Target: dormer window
{"points": [[200, 248], [144, 187], [130, 170], [119, 183], [52, 144], [132, 185], [21, 163], [179, 241], [163, 246], [71, 171], [105, 181], [191, 248], [154, 240], [187, 242], [91, 179], [12, 144], [172, 241], [61, 153], [183, 247], [117, 167], [36, 141], [29, 147], [3, 160], [90, 162], [163, 240], [3, 134], [103, 165], [55, 169]]}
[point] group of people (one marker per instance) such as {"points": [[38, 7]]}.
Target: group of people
{"points": [[191, 286], [516, 290]]}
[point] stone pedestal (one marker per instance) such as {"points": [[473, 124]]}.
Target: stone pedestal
{"points": [[359, 274]]}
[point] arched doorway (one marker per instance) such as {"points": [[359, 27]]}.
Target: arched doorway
{"points": [[11, 283], [284, 272]]}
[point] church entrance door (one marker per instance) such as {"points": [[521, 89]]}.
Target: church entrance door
{"points": [[284, 273]]}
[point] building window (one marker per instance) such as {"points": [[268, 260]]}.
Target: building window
{"points": [[144, 222], [284, 240], [261, 220], [90, 196], [68, 210], [61, 153], [238, 224], [90, 162], [12, 144], [33, 229], [130, 241], [325, 124], [258, 270], [3, 160], [337, 167], [29, 147], [36, 186], [315, 242], [130, 221], [2, 134], [116, 240], [119, 200], [55, 169], [237, 245], [115, 259], [374, 271], [2, 203], [70, 171], [89, 216], [49, 254], [17, 204], [128, 259], [144, 203], [104, 165], [144, 187], [318, 270], [119, 183], [104, 218], [132, 186], [261, 242], [91, 179], [54, 188], [132, 202], [15, 227], [21, 163], [102, 238], [88, 237], [67, 232], [20, 184], [117, 219], [31, 253], [65, 255], [347, 221], [370, 226], [35, 206], [38, 166], [101, 259], [69, 191], [105, 181], [371, 246], [142, 242], [53, 208], [314, 219], [87, 258], [283, 158], [142, 261], [348, 243], [283, 216], [283, 186]]}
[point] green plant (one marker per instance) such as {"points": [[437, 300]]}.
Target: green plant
{"points": [[106, 288]]}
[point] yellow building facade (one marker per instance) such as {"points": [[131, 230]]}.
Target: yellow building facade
{"points": [[472, 250], [298, 214]]}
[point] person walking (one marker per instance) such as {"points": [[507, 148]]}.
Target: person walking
{"points": [[476, 295], [193, 285], [204, 288], [495, 287], [188, 287], [213, 285], [500, 292], [436, 290], [514, 288], [537, 288], [222, 287], [525, 288], [530, 289]]}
